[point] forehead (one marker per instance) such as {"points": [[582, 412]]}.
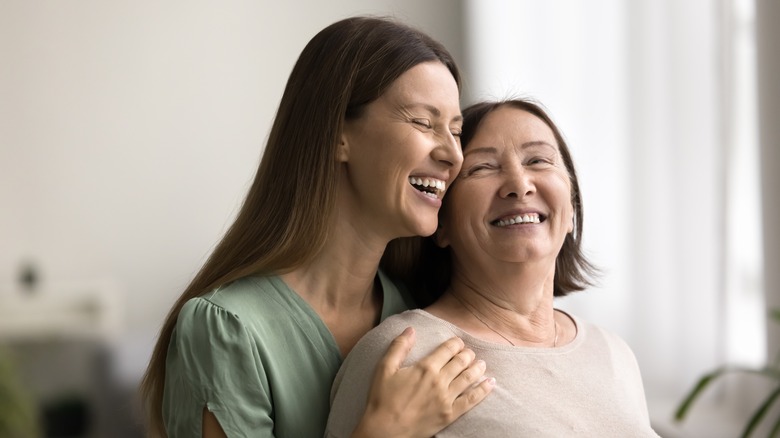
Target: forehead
{"points": [[426, 83], [509, 126]]}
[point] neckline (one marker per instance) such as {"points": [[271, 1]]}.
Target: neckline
{"points": [[471, 340], [380, 277]]}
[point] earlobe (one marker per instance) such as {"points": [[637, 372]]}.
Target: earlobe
{"points": [[571, 225], [440, 238], [342, 150]]}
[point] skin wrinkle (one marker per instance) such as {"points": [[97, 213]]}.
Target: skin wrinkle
{"points": [[408, 115]]}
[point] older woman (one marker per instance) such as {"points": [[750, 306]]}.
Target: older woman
{"points": [[509, 242], [363, 147]]}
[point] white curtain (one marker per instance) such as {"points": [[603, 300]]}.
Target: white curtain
{"points": [[768, 59], [644, 91]]}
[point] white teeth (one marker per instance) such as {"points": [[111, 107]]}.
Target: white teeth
{"points": [[531, 218], [427, 182]]}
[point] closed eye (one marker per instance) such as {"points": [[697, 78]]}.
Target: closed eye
{"points": [[479, 168], [422, 122], [538, 160]]}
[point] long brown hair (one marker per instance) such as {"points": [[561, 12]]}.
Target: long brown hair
{"points": [[427, 269], [282, 222]]}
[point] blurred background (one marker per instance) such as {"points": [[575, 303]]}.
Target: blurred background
{"points": [[130, 131]]}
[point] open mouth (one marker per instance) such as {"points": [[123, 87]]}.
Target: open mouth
{"points": [[528, 218], [430, 187]]}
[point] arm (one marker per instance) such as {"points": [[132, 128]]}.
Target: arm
{"points": [[421, 399], [211, 427], [211, 362]]}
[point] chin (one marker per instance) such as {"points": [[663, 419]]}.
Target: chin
{"points": [[430, 227], [424, 229]]}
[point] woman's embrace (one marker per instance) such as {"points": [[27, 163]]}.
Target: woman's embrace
{"points": [[508, 243]]}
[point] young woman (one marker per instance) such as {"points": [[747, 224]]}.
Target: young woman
{"points": [[364, 144]]}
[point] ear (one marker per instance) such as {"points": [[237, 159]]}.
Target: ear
{"points": [[571, 224], [342, 152], [441, 237]]}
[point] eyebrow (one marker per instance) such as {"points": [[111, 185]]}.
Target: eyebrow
{"points": [[528, 144], [493, 150], [480, 150], [433, 110]]}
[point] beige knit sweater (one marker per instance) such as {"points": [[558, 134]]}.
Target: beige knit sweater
{"points": [[590, 387]]}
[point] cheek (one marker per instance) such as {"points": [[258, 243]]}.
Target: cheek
{"points": [[569, 210], [457, 212], [564, 188]]}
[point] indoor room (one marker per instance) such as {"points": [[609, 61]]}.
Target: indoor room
{"points": [[131, 131]]}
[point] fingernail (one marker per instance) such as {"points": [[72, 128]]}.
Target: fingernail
{"points": [[492, 381]]}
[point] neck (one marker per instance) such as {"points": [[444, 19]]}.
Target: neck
{"points": [[338, 283], [497, 332], [341, 275], [517, 310]]}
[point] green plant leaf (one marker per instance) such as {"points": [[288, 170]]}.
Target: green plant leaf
{"points": [[17, 413], [775, 314], [759, 414], [687, 402], [775, 428], [682, 410]]}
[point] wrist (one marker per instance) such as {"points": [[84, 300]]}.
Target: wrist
{"points": [[374, 426]]}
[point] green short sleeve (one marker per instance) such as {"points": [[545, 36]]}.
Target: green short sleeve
{"points": [[213, 362], [256, 355]]}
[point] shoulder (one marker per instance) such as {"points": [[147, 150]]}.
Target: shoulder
{"points": [[606, 341], [245, 293], [393, 325], [353, 381], [229, 317], [206, 329], [597, 332], [254, 302], [430, 332], [213, 361], [374, 344]]}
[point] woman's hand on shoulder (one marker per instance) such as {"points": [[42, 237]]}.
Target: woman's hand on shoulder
{"points": [[422, 399]]}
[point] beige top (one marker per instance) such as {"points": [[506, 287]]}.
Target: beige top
{"points": [[590, 387]]}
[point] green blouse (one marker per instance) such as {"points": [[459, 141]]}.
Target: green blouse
{"points": [[257, 356]]}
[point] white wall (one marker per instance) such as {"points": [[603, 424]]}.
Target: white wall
{"points": [[129, 131]]}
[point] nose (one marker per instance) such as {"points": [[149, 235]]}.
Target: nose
{"points": [[517, 183], [448, 151]]}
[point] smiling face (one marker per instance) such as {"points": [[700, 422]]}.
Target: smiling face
{"points": [[401, 153], [512, 200]]}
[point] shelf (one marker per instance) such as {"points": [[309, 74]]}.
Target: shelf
{"points": [[88, 310]]}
